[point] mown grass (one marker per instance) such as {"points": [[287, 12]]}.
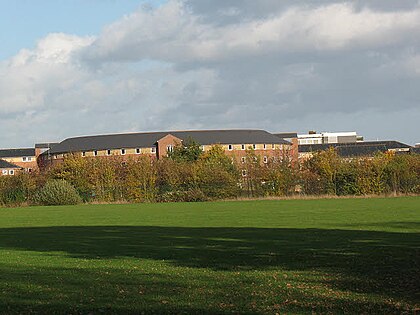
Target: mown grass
{"points": [[335, 256]]}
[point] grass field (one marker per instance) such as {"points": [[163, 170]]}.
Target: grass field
{"points": [[331, 256]]}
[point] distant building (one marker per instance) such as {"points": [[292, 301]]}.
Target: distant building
{"points": [[8, 169], [328, 137], [158, 144], [24, 158], [292, 137], [355, 149]]}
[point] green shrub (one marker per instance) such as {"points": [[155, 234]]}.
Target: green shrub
{"points": [[58, 192], [190, 195]]}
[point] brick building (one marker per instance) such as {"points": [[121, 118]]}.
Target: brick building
{"points": [[8, 169], [157, 144], [25, 158]]}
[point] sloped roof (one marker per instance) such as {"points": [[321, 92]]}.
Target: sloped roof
{"points": [[355, 148], [45, 145], [5, 164], [415, 150], [149, 139], [286, 135], [8, 153]]}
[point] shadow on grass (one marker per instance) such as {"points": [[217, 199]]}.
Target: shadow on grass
{"points": [[366, 262]]}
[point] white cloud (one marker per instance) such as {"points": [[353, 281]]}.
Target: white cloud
{"points": [[178, 67], [174, 34]]}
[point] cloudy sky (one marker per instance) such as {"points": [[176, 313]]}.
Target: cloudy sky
{"points": [[81, 67]]}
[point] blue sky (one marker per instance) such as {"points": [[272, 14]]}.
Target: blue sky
{"points": [[83, 67], [31, 20]]}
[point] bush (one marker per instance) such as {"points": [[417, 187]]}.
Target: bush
{"points": [[58, 192], [190, 195]]}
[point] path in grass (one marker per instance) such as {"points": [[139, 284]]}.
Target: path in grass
{"points": [[292, 256]]}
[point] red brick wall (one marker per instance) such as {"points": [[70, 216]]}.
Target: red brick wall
{"points": [[164, 143]]}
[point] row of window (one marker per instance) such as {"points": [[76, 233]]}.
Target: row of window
{"points": [[254, 146], [26, 159], [265, 159], [169, 148], [8, 172], [121, 151]]}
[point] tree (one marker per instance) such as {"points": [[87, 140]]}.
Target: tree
{"points": [[188, 151]]}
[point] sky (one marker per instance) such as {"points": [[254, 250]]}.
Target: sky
{"points": [[84, 67]]}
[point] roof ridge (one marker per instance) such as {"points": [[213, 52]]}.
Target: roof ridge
{"points": [[164, 131]]}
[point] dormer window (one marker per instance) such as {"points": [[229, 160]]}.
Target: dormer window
{"points": [[122, 151], [108, 152], [265, 146], [95, 153], [230, 147], [242, 146], [254, 146], [138, 151]]}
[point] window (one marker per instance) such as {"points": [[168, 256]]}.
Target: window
{"points": [[11, 172], [29, 170], [265, 146], [153, 150], [108, 152], [273, 146], [243, 173], [95, 153], [122, 151], [254, 146], [202, 148], [138, 151], [230, 147], [83, 154], [29, 158], [265, 159], [242, 146], [243, 159], [24, 159], [169, 148], [4, 172]]}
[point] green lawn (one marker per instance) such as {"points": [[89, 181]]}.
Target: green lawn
{"points": [[330, 256]]}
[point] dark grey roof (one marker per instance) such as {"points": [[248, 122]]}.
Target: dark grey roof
{"points": [[415, 150], [17, 152], [149, 139], [5, 164], [286, 135], [45, 145], [355, 149]]}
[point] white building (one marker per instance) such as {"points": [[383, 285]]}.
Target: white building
{"points": [[328, 137]]}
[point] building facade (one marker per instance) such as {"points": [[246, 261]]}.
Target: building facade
{"points": [[8, 169], [355, 149], [25, 158], [328, 137], [235, 143]]}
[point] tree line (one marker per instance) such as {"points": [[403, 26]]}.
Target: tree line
{"points": [[188, 174]]}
